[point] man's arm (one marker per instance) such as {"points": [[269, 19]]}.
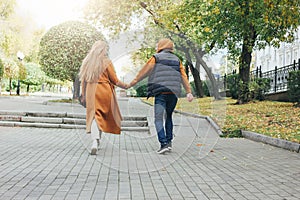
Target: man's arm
{"points": [[186, 84], [144, 72]]}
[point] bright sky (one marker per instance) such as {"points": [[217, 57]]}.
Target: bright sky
{"points": [[48, 13]]}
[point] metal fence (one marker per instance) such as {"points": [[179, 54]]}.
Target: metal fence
{"points": [[278, 76]]}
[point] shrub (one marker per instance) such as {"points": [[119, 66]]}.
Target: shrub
{"points": [[294, 87], [258, 88], [205, 88], [232, 82], [141, 88]]}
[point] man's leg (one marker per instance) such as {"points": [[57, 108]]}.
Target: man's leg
{"points": [[170, 106], [159, 110]]}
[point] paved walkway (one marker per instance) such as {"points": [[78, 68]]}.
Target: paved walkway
{"points": [[38, 163]]}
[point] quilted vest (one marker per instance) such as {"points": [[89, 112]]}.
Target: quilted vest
{"points": [[165, 77]]}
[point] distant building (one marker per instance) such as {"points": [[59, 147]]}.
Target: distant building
{"points": [[270, 57]]}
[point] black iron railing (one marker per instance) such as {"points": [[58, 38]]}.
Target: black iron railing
{"points": [[278, 76]]}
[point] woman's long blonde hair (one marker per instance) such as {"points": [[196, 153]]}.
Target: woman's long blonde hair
{"points": [[95, 63]]}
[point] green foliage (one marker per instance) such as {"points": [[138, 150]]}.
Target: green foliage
{"points": [[141, 88], [193, 87], [294, 87], [259, 87], [11, 69], [63, 48], [6, 8], [141, 57], [8, 40], [1, 69], [119, 15], [232, 82], [227, 22], [205, 88], [239, 26], [244, 92], [22, 71], [205, 85], [34, 76], [232, 133]]}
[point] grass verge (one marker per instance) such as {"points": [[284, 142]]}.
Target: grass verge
{"points": [[275, 119]]}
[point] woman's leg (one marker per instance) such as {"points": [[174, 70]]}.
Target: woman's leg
{"points": [[96, 136]]}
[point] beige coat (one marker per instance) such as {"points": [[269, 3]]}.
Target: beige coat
{"points": [[101, 102]]}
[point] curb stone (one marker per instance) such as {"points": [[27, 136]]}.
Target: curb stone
{"points": [[211, 122], [292, 146], [288, 145]]}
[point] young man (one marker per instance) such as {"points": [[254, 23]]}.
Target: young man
{"points": [[166, 74]]}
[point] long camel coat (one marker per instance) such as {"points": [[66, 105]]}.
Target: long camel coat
{"points": [[101, 102]]}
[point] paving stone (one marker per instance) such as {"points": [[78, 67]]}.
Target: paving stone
{"points": [[42, 163]]}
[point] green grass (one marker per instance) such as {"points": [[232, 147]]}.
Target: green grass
{"points": [[275, 119]]}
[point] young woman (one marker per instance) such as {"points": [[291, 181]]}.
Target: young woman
{"points": [[98, 78]]}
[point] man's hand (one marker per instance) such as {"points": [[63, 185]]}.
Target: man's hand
{"points": [[189, 97]]}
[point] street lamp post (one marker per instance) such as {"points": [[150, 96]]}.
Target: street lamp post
{"points": [[20, 56]]}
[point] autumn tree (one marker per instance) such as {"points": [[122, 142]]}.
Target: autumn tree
{"points": [[1, 73], [16, 34], [119, 16], [6, 8], [8, 67], [11, 70], [34, 75], [63, 48], [240, 27]]}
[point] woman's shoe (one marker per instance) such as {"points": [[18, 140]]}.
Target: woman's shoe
{"points": [[94, 148]]}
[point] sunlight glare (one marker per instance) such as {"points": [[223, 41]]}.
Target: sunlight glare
{"points": [[47, 13]]}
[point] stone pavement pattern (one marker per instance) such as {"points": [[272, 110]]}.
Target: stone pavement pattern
{"points": [[40, 163]]}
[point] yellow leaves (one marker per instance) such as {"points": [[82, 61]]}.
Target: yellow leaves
{"points": [[216, 11], [269, 39], [276, 119], [207, 29], [266, 19]]}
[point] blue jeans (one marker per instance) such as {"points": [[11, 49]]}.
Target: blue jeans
{"points": [[164, 107]]}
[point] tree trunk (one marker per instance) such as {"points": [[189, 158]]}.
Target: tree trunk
{"points": [[244, 66], [214, 86], [214, 90], [195, 73], [197, 80], [76, 86], [10, 86], [27, 88], [200, 84]]}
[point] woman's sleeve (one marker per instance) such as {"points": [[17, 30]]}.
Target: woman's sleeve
{"points": [[185, 81], [113, 77]]}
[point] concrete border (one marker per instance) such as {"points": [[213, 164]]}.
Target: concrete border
{"points": [[284, 144], [210, 120], [292, 146]]}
